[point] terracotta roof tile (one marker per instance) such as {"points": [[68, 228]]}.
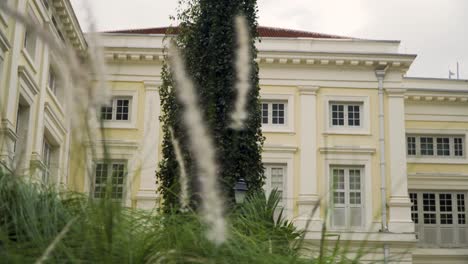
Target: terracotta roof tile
{"points": [[268, 32]]}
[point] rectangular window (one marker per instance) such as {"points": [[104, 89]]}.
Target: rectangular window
{"points": [[112, 173], [46, 158], [414, 207], [427, 146], [441, 220], [30, 41], [276, 179], [52, 81], [443, 146], [435, 146], [411, 143], [274, 113], [117, 110], [458, 146], [347, 196], [346, 114]]}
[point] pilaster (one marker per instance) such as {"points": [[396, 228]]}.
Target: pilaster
{"points": [[308, 195], [146, 196], [399, 204]]}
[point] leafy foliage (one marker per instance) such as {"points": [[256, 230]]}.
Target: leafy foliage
{"points": [[206, 36], [103, 231]]}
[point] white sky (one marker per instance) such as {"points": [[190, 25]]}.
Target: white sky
{"points": [[435, 30]]}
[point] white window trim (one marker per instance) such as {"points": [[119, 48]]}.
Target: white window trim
{"points": [[132, 95], [110, 162], [352, 159], [31, 60], [438, 226], [117, 150], [363, 101], [268, 187], [3, 16], [347, 192], [437, 159], [284, 156], [288, 127]]}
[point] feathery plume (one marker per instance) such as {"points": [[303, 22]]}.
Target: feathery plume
{"points": [[202, 146], [243, 73], [183, 180]]}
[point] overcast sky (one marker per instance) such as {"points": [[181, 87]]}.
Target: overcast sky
{"points": [[435, 30]]}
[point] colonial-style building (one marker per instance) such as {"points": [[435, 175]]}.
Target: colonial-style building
{"points": [[382, 155]]}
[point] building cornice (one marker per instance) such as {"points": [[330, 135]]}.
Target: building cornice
{"points": [[431, 96], [70, 24]]}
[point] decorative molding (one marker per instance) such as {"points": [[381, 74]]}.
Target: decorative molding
{"points": [[4, 43], [347, 149], [152, 85], [432, 97], [57, 121], [397, 93], [280, 148], [124, 144], [308, 90]]}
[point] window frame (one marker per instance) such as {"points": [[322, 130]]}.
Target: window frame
{"points": [[346, 119], [270, 116], [288, 101], [438, 226], [435, 146], [109, 170], [47, 149], [268, 181], [347, 205], [364, 115], [114, 106]]}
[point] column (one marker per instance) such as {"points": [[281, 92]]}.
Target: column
{"points": [[146, 196], [308, 193], [399, 204]]}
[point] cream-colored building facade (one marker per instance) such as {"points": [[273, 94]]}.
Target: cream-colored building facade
{"points": [[34, 130], [346, 131]]}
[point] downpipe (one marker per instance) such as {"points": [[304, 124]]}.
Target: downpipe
{"points": [[380, 74]]}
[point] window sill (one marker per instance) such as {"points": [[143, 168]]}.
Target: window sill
{"points": [[277, 129], [3, 19], [437, 160], [29, 60], [360, 132], [119, 125], [55, 100], [437, 251]]}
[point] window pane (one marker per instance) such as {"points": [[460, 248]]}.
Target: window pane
{"points": [[411, 145], [106, 113], [427, 146], [100, 180], [354, 115], [355, 198], [443, 146], [458, 146], [461, 209], [429, 205], [338, 179], [277, 113], [122, 109], [30, 43], [414, 207], [355, 179], [338, 197], [264, 113], [337, 115]]}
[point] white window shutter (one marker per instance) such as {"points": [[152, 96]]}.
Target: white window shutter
{"points": [[355, 216], [339, 217]]}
